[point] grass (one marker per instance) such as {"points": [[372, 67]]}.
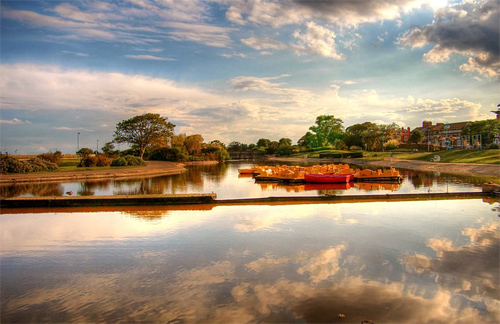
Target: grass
{"points": [[71, 165], [451, 156]]}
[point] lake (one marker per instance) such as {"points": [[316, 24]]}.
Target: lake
{"points": [[397, 262], [224, 180], [390, 262]]}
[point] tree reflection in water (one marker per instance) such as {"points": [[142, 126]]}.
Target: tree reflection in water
{"points": [[32, 189]]}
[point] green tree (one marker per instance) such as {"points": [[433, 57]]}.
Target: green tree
{"points": [[143, 131], [354, 134], [84, 151], [263, 142], [309, 140], [108, 148], [488, 129], [416, 136], [327, 129]]}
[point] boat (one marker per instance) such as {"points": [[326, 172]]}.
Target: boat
{"points": [[327, 178]]}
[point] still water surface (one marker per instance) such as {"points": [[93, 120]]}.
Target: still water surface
{"points": [[224, 180], [397, 262]]}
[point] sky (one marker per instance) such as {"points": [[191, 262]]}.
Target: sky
{"points": [[240, 70]]}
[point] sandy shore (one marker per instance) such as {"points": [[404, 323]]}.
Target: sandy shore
{"points": [[473, 169], [159, 168]]}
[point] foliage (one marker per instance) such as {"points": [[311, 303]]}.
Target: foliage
{"points": [[193, 144], [327, 129], [392, 144], [263, 142], [354, 133], [54, 157], [341, 155], [416, 136], [98, 160], [486, 128], [177, 154], [143, 131], [127, 160], [9, 164], [84, 152]]}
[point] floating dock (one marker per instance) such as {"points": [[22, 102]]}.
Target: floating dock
{"points": [[9, 205]]}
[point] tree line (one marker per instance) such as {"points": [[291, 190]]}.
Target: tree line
{"points": [[153, 136]]}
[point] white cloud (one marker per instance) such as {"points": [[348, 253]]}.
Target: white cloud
{"points": [[261, 43], [13, 121], [317, 40], [469, 29], [149, 57]]}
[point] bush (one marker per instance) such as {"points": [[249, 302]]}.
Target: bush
{"points": [[341, 155], [493, 146], [134, 160], [121, 161], [10, 164], [87, 161], [55, 157], [38, 164], [128, 160]]}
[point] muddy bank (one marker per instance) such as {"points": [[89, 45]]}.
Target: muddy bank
{"points": [[473, 169]]}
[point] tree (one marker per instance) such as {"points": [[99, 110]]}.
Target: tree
{"points": [[416, 136], [108, 148], [354, 133], [143, 131], [327, 129], [309, 140], [488, 129], [263, 142], [193, 144], [84, 151]]}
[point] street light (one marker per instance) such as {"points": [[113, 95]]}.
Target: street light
{"points": [[78, 142], [97, 146]]}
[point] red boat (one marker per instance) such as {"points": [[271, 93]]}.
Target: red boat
{"points": [[328, 178]]}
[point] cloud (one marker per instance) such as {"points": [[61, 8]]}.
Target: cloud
{"points": [[209, 35], [149, 57], [341, 13], [261, 43], [317, 40], [470, 29], [186, 20], [13, 121]]}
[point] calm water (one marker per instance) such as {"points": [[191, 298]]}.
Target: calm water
{"points": [[397, 262], [225, 182]]}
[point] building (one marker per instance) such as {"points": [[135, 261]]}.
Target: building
{"points": [[444, 135]]}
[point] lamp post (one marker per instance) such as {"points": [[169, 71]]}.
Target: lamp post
{"points": [[78, 142], [97, 146]]}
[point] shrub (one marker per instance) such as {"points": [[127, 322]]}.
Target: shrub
{"points": [[121, 161], [38, 164], [493, 146], [55, 157], [10, 164], [134, 160], [102, 160], [391, 144], [88, 161]]}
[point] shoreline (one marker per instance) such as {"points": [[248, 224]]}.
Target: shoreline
{"points": [[162, 168], [470, 169]]}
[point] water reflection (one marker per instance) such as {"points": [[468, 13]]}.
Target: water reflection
{"points": [[224, 180], [388, 262]]}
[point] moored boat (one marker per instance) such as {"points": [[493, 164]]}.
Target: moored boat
{"points": [[327, 178]]}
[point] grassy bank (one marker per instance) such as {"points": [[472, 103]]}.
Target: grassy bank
{"points": [[450, 156]]}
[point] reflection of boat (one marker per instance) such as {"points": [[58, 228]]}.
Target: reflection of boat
{"points": [[376, 186], [327, 178], [327, 186]]}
